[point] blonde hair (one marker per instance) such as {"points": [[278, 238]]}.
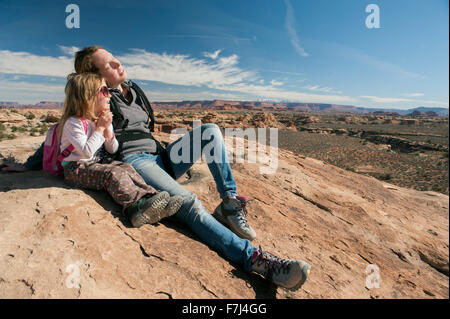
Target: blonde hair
{"points": [[81, 92]]}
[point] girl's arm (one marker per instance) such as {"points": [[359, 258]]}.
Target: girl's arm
{"points": [[111, 143], [73, 133]]}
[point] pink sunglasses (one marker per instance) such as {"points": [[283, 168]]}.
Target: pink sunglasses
{"points": [[104, 90]]}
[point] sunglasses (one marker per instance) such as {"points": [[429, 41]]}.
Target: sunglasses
{"points": [[104, 90]]}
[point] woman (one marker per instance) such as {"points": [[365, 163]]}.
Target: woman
{"points": [[134, 120]]}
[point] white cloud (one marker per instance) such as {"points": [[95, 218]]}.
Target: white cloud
{"points": [[318, 88], [290, 22], [26, 92], [436, 103], [273, 93], [377, 99], [222, 73], [164, 96], [27, 63], [413, 94], [213, 55], [183, 70], [69, 50], [275, 82]]}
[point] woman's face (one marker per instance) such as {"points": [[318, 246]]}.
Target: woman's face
{"points": [[102, 99], [109, 67]]}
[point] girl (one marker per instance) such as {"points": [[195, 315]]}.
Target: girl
{"points": [[86, 128]]}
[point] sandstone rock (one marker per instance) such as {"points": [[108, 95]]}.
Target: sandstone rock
{"points": [[53, 237], [11, 117]]}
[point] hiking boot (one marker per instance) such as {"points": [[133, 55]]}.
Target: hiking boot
{"points": [[286, 273], [147, 210], [232, 212], [172, 207]]}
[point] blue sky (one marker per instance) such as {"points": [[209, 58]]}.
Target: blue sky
{"points": [[277, 50]]}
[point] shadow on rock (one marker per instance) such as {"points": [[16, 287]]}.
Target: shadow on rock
{"points": [[264, 289]]}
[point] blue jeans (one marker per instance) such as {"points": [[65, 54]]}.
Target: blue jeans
{"points": [[192, 212]]}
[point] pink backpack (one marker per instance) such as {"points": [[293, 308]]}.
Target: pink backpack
{"points": [[52, 157]]}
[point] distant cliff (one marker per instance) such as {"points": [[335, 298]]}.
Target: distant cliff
{"points": [[253, 105]]}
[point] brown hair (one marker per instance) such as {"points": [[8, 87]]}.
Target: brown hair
{"points": [[83, 60], [81, 91]]}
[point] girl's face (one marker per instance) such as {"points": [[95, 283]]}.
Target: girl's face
{"points": [[102, 99]]}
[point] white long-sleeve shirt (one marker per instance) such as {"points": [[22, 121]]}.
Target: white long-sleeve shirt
{"points": [[86, 146]]}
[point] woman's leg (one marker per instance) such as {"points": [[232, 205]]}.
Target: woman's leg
{"points": [[208, 139], [192, 212]]}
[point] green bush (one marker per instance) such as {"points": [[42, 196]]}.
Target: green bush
{"points": [[30, 116], [7, 136], [386, 177], [436, 188]]}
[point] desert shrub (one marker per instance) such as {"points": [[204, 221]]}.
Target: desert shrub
{"points": [[436, 188], [30, 116], [14, 111], [7, 136], [2, 127], [43, 128], [386, 177], [34, 131], [351, 169]]}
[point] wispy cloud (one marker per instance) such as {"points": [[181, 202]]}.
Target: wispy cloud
{"points": [[412, 94], [393, 100], [318, 88], [221, 74], [183, 69], [436, 103], [169, 96], [356, 55], [290, 26], [377, 99], [26, 92], [213, 55], [69, 50], [275, 82], [283, 72]]}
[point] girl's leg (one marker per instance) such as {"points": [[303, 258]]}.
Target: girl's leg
{"points": [[125, 187]]}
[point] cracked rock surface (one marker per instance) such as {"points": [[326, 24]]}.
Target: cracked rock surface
{"points": [[61, 242]]}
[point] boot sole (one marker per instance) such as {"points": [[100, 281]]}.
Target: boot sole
{"points": [[151, 214], [172, 207]]}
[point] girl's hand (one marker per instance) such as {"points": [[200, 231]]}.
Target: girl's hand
{"points": [[103, 121]]}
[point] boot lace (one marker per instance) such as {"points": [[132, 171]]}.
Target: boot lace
{"points": [[272, 263], [243, 216]]}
